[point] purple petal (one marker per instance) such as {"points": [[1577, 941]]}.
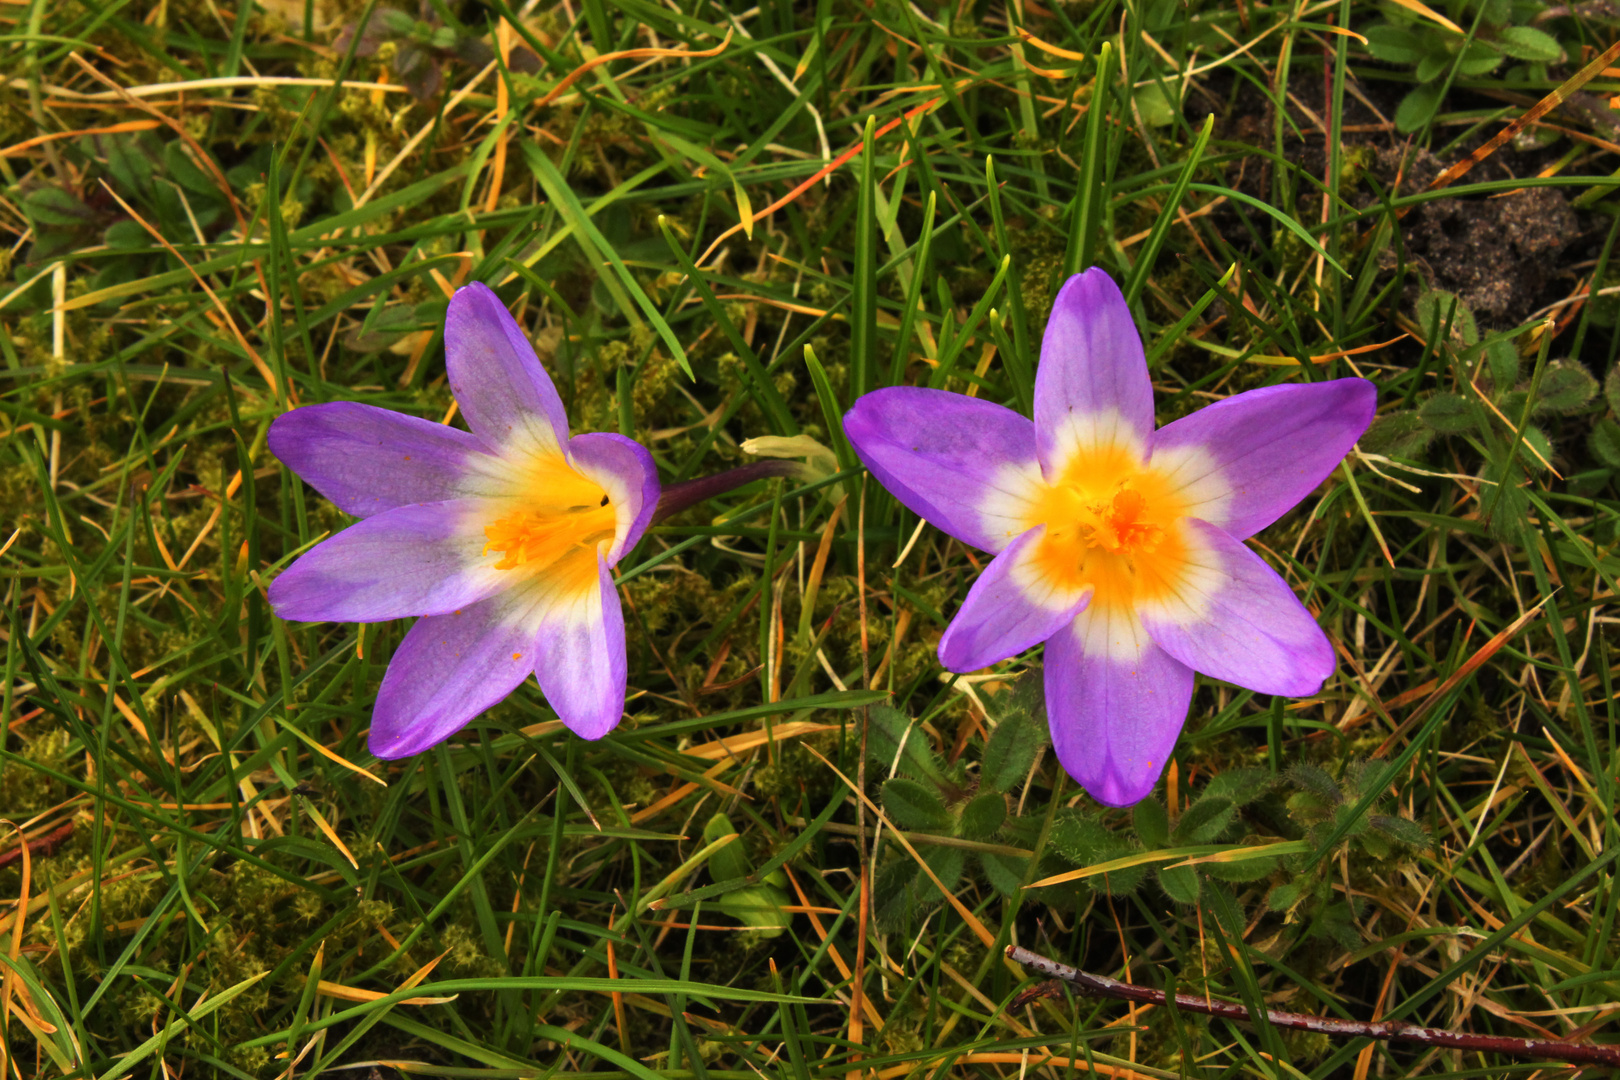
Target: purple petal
{"points": [[449, 669], [625, 470], [1013, 606], [412, 560], [1250, 459], [367, 459], [503, 391], [1092, 383], [1116, 703], [581, 665], [1238, 621], [964, 464]]}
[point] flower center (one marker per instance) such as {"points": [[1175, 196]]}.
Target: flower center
{"points": [[524, 536], [557, 517], [1112, 526]]}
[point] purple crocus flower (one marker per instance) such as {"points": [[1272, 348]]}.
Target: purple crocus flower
{"points": [[502, 539], [1118, 545]]}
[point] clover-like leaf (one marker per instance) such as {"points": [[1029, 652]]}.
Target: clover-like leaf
{"points": [[1449, 413], [130, 161], [1004, 872], [1011, 749], [1283, 897], [947, 863], [1204, 820], [1566, 386], [1535, 450], [895, 743], [1240, 871], [1086, 841], [915, 807], [1432, 65], [1180, 883], [1528, 43], [1156, 108], [55, 206], [1152, 823], [178, 166], [1241, 786], [1507, 507], [1402, 830], [730, 862], [982, 815], [893, 899], [126, 234], [1502, 361], [1438, 311], [1479, 58], [1605, 443], [1397, 434], [1394, 44], [1417, 107], [759, 907]]}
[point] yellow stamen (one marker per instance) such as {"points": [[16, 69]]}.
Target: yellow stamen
{"points": [[554, 524], [1113, 524]]}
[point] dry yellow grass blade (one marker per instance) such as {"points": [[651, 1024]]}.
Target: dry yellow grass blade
{"points": [[330, 833], [355, 994], [1323, 358], [232, 82], [1418, 7], [1048, 47], [9, 983], [1530, 115], [710, 776], [110, 129], [336, 759], [737, 744], [868, 1009], [1144, 858]]}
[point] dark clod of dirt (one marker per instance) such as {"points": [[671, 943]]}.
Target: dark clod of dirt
{"points": [[1496, 254]]}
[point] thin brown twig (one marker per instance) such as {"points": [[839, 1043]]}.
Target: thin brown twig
{"points": [[1392, 1030], [37, 845]]}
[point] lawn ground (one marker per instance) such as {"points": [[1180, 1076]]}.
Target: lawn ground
{"points": [[718, 224]]}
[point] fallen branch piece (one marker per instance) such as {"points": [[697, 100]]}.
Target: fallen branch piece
{"points": [[37, 845], [1394, 1030]]}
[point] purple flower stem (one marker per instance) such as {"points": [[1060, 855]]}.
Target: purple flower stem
{"points": [[688, 493], [1395, 1030]]}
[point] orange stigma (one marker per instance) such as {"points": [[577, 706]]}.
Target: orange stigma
{"points": [[1121, 524]]}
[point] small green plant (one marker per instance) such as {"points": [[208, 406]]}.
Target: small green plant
{"points": [[1312, 810], [1322, 806], [1432, 50], [928, 796], [763, 907], [1605, 438], [161, 181], [1492, 407], [1086, 839]]}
